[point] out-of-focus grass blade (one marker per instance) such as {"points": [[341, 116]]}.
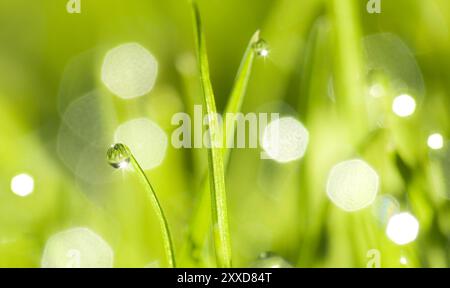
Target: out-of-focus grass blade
{"points": [[313, 99], [348, 76], [221, 232]]}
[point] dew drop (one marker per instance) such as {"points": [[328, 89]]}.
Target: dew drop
{"points": [[261, 48], [118, 156]]}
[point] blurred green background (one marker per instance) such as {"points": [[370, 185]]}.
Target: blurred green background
{"points": [[325, 55]]}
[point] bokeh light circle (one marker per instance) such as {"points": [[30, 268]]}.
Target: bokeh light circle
{"points": [[77, 248], [352, 185], [147, 141], [435, 141], [22, 185], [285, 139], [129, 70], [402, 228], [404, 105]]}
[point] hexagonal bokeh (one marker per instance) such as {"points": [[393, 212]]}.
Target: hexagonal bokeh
{"points": [[352, 185], [77, 248]]}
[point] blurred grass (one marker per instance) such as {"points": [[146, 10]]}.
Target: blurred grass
{"points": [[316, 71]]}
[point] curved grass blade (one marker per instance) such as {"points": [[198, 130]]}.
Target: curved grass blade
{"points": [[221, 232], [198, 229], [237, 95], [119, 155]]}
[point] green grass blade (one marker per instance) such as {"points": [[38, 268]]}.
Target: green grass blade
{"points": [[349, 78], [199, 227], [119, 154], [221, 232], [236, 99]]}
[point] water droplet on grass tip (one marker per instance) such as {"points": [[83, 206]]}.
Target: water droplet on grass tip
{"points": [[118, 156], [261, 48]]}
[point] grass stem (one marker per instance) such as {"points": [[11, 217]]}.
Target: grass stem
{"points": [[119, 156], [222, 242]]}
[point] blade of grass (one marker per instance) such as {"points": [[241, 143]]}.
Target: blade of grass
{"points": [[222, 242], [349, 78], [119, 155], [199, 227], [314, 74], [237, 95], [286, 26]]}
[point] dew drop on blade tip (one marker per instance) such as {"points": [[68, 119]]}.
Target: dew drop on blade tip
{"points": [[261, 48], [118, 156]]}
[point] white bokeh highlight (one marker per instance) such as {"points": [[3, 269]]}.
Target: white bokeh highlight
{"points": [[129, 70], [77, 248], [402, 228], [22, 185], [435, 141], [403, 260], [264, 53], [285, 140], [376, 91], [352, 185], [147, 141], [404, 105]]}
